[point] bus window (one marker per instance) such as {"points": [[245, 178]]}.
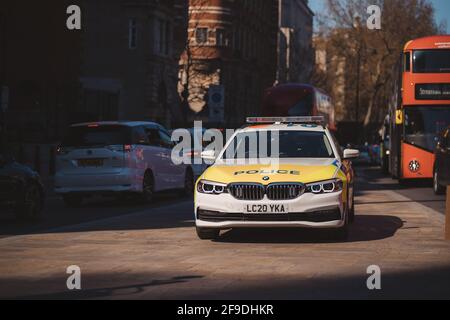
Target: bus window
{"points": [[424, 124], [303, 108], [431, 61], [407, 62]]}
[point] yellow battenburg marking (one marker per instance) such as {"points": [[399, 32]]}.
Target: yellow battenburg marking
{"points": [[282, 173]]}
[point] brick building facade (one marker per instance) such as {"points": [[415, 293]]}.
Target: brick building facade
{"points": [[233, 45]]}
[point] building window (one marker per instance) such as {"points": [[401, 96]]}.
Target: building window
{"points": [[220, 38], [163, 37], [132, 33], [167, 38], [201, 35]]}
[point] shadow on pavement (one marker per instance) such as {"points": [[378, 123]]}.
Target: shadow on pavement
{"points": [[372, 179], [406, 283], [108, 292], [365, 228], [97, 211]]}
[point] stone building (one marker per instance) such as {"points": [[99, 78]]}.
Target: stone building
{"points": [[39, 69], [130, 59], [295, 48], [230, 59], [121, 65], [330, 74]]}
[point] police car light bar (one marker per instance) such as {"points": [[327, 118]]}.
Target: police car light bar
{"points": [[316, 119]]}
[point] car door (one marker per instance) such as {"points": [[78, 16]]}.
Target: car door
{"points": [[141, 159], [346, 167], [156, 155], [176, 172], [11, 181]]}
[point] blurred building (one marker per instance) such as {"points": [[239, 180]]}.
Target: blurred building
{"points": [[121, 65], [131, 50], [39, 69], [330, 75], [231, 58], [295, 48]]}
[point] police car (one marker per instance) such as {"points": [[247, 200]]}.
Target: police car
{"points": [[295, 175]]}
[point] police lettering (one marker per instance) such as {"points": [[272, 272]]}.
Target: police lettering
{"points": [[268, 172]]}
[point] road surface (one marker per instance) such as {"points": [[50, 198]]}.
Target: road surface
{"points": [[130, 251]]}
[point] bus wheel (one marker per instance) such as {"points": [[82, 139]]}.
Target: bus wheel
{"points": [[437, 187]]}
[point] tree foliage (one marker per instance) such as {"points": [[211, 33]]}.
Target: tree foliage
{"points": [[370, 56]]}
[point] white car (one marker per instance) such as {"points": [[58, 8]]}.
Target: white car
{"points": [[310, 185], [116, 158]]}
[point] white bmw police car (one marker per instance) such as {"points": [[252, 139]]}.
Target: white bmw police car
{"points": [[307, 182]]}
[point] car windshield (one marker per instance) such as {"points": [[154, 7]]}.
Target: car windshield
{"points": [[97, 136], [431, 61], [424, 124], [291, 144]]}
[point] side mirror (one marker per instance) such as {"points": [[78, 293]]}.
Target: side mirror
{"points": [[350, 154], [209, 155]]}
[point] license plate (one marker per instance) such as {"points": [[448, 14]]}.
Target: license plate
{"points": [[266, 209], [90, 162]]}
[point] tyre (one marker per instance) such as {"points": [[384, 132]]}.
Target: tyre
{"points": [[341, 234], [208, 234], [148, 188], [31, 205], [73, 200], [404, 183], [385, 164], [351, 204], [437, 187], [188, 183]]}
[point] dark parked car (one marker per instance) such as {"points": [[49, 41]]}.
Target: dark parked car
{"points": [[21, 189], [441, 176]]}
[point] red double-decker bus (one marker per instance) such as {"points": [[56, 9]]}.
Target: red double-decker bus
{"points": [[299, 100], [419, 107]]}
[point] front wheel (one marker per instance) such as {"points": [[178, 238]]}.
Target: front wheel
{"points": [[148, 188], [188, 183], [341, 234], [437, 187], [207, 233], [351, 205], [32, 203], [73, 200]]}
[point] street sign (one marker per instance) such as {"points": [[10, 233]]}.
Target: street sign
{"points": [[4, 98], [399, 117], [216, 103]]}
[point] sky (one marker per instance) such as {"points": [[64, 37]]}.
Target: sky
{"points": [[442, 9]]}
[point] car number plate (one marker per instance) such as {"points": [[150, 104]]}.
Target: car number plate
{"points": [[266, 209], [90, 162]]}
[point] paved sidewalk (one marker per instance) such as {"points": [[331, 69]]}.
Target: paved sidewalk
{"points": [[154, 254]]}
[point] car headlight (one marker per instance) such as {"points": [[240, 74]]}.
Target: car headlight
{"points": [[209, 187], [328, 186]]}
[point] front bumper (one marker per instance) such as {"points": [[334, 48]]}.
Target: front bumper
{"points": [[307, 211]]}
